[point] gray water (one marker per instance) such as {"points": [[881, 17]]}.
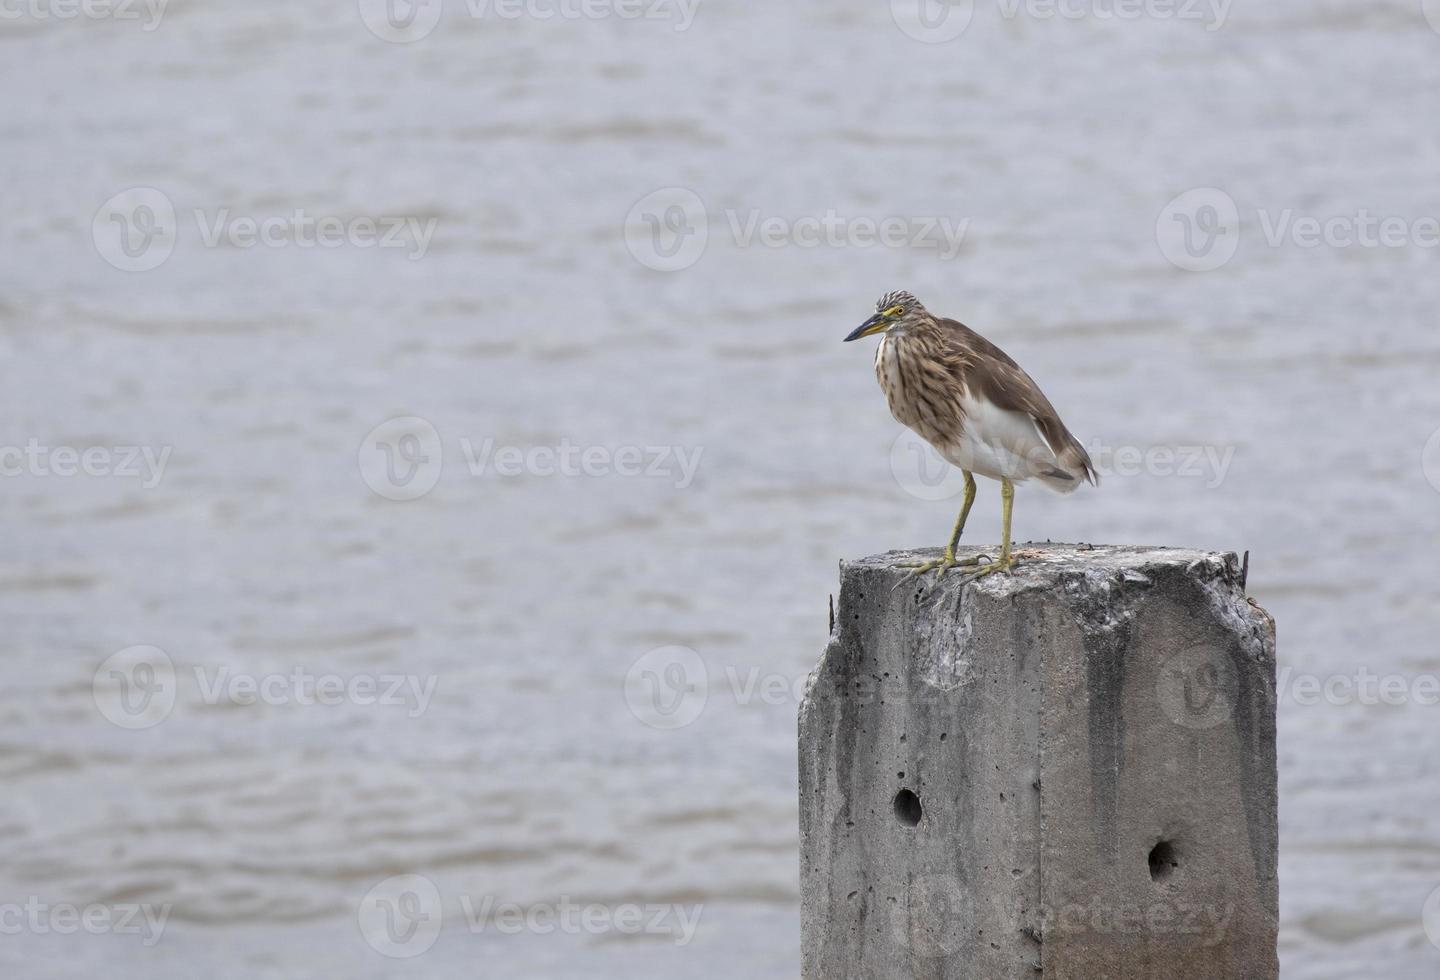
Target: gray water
{"points": [[1296, 383]]}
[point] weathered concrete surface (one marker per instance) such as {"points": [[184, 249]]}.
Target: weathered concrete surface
{"points": [[1090, 742]]}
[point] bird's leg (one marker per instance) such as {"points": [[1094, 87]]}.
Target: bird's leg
{"points": [[948, 561], [1007, 505], [964, 513]]}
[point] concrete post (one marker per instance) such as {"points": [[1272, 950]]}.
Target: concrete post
{"points": [[1064, 773]]}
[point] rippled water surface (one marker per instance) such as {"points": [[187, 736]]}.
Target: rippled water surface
{"points": [[523, 600]]}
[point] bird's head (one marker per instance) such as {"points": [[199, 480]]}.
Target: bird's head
{"points": [[895, 310]]}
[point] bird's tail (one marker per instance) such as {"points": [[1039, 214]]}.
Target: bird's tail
{"points": [[1072, 467]]}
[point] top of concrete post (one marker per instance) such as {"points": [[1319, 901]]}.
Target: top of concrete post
{"points": [[1067, 770]]}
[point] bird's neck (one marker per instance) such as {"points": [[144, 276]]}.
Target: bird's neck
{"points": [[922, 335]]}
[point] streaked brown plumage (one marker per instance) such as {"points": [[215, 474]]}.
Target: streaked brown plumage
{"points": [[974, 404]]}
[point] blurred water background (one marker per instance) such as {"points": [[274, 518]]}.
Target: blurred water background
{"points": [[537, 316]]}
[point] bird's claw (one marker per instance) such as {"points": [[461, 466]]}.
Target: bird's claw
{"points": [[1005, 564], [949, 561], [938, 565]]}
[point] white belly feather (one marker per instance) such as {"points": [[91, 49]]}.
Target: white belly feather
{"points": [[998, 443]]}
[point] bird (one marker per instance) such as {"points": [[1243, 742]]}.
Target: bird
{"points": [[978, 408]]}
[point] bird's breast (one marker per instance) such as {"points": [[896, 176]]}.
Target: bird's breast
{"points": [[920, 392]]}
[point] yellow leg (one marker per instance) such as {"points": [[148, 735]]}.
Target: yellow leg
{"points": [[949, 561], [964, 512], [1007, 507]]}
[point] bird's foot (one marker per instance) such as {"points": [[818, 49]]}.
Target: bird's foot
{"points": [[1004, 564], [939, 565]]}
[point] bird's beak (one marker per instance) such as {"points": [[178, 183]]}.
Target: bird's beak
{"points": [[874, 325]]}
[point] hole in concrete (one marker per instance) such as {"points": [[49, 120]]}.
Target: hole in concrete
{"points": [[907, 808], [1163, 861]]}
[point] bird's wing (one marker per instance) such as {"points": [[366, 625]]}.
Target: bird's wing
{"points": [[993, 375]]}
